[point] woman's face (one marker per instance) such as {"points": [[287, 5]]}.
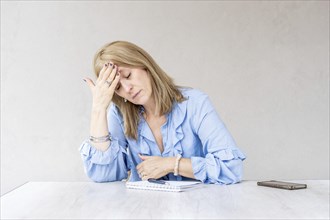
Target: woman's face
{"points": [[134, 85]]}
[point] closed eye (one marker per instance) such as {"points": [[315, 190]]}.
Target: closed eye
{"points": [[118, 86]]}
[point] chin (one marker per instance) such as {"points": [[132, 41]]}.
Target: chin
{"points": [[140, 101]]}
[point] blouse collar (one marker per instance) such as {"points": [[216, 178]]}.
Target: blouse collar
{"points": [[178, 115]]}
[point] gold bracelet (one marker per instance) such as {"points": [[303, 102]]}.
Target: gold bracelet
{"points": [[176, 168]]}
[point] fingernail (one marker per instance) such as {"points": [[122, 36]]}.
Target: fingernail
{"points": [[105, 64], [110, 64], [84, 80]]}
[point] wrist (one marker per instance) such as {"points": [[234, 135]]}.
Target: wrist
{"points": [[170, 164], [100, 139], [98, 109]]}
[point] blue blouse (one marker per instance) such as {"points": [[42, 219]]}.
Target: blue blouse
{"points": [[193, 129]]}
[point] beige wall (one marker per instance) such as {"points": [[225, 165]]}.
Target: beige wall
{"points": [[265, 65]]}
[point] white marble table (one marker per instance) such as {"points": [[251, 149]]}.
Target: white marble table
{"points": [[87, 200]]}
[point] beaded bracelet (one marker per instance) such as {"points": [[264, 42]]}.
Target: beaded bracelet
{"points": [[176, 168], [100, 139]]}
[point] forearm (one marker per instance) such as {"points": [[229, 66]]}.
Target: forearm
{"points": [[185, 167], [99, 127]]}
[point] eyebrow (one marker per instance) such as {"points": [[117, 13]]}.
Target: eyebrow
{"points": [[123, 71]]}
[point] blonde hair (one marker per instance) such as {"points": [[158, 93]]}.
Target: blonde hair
{"points": [[164, 91]]}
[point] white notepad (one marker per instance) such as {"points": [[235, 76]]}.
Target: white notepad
{"points": [[170, 186]]}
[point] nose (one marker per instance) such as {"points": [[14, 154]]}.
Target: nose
{"points": [[127, 87]]}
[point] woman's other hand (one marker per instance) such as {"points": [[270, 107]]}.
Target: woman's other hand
{"points": [[155, 166]]}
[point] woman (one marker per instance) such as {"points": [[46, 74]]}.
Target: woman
{"points": [[153, 128]]}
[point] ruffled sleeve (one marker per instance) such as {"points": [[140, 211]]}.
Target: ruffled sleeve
{"points": [[106, 166], [222, 160], [223, 167], [110, 165]]}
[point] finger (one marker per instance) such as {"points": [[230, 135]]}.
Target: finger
{"points": [[104, 68], [107, 72], [112, 74], [114, 83], [89, 82], [141, 174], [139, 168], [144, 157], [145, 178], [140, 156]]}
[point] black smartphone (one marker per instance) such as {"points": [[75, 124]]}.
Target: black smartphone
{"points": [[282, 185]]}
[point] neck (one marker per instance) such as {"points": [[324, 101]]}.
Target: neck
{"points": [[150, 112], [150, 109]]}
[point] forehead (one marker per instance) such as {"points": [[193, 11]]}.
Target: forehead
{"points": [[122, 69]]}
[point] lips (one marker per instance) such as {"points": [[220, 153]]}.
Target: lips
{"points": [[136, 94]]}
